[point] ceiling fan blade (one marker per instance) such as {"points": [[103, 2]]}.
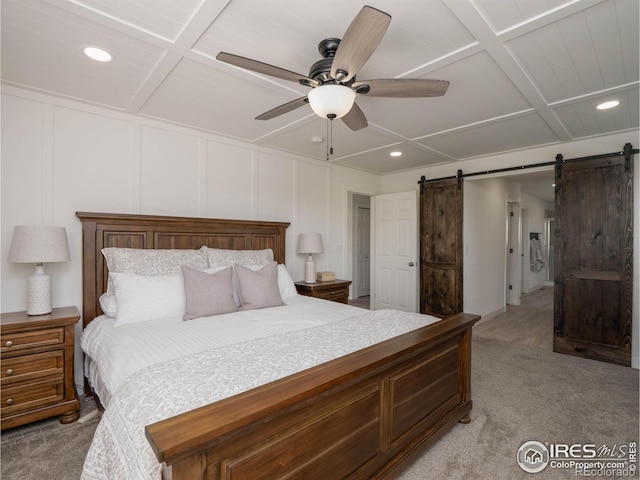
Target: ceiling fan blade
{"points": [[355, 119], [401, 87], [358, 43], [265, 69], [282, 109]]}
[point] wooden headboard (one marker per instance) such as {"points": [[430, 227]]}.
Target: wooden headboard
{"points": [[101, 230]]}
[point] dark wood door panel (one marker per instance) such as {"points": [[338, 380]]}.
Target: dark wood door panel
{"points": [[439, 290], [594, 252], [597, 312], [441, 247]]}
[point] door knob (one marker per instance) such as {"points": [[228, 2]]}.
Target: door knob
{"points": [[411, 264]]}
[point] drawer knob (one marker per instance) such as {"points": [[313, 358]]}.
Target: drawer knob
{"points": [[8, 343], [9, 372], [9, 402]]}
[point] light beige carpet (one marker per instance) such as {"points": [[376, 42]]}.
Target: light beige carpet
{"points": [[522, 393]]}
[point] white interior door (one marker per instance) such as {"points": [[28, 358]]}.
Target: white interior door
{"points": [[363, 251], [396, 251]]}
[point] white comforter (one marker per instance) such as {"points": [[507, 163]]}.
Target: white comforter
{"points": [[120, 449], [121, 351]]}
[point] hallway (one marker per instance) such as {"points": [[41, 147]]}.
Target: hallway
{"points": [[530, 323]]}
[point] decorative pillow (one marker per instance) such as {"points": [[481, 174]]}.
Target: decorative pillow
{"points": [[285, 283], [208, 294], [218, 257], [258, 289], [152, 262], [286, 286], [108, 305], [147, 297]]}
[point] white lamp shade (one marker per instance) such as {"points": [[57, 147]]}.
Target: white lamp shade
{"points": [[310, 243], [39, 244], [327, 100]]}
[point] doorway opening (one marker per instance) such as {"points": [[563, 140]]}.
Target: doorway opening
{"points": [[514, 254], [550, 240], [361, 258]]}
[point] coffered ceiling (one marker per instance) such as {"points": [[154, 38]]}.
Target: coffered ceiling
{"points": [[523, 73]]}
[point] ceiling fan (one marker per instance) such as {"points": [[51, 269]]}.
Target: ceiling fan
{"points": [[333, 78]]}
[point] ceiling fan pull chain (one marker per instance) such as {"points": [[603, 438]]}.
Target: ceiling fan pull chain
{"points": [[331, 144], [330, 118], [328, 139]]}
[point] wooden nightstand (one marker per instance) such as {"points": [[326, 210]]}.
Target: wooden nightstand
{"points": [[37, 367], [334, 290]]}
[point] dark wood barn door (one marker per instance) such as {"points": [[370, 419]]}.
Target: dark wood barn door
{"points": [[441, 247], [594, 250]]}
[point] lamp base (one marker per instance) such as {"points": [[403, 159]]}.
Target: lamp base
{"points": [[39, 292], [309, 271]]}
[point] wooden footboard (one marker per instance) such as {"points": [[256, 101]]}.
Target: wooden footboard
{"points": [[355, 417]]}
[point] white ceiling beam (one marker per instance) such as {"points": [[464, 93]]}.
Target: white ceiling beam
{"points": [[477, 25]]}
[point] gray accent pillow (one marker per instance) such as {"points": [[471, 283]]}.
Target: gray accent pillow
{"points": [[258, 289], [208, 294]]}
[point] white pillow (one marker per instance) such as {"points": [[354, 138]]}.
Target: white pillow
{"points": [[285, 283], [108, 304], [148, 297]]}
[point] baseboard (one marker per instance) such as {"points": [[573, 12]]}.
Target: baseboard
{"points": [[491, 315]]}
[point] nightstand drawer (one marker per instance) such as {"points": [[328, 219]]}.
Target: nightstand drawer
{"points": [[31, 395], [337, 295], [10, 342], [332, 290], [30, 367], [36, 373]]}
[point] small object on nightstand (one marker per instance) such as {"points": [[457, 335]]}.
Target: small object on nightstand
{"points": [[326, 276], [334, 290], [37, 367]]}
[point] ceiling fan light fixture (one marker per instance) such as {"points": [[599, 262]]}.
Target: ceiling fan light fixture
{"points": [[329, 100]]}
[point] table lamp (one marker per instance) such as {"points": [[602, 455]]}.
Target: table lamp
{"points": [[310, 243], [39, 244]]}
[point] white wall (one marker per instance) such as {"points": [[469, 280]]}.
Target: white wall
{"points": [[60, 156], [345, 183], [484, 233], [476, 270]]}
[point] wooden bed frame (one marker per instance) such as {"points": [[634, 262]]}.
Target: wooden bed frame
{"points": [[356, 417]]}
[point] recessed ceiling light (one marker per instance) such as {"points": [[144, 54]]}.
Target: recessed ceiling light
{"points": [[98, 54], [607, 105], [395, 154]]}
